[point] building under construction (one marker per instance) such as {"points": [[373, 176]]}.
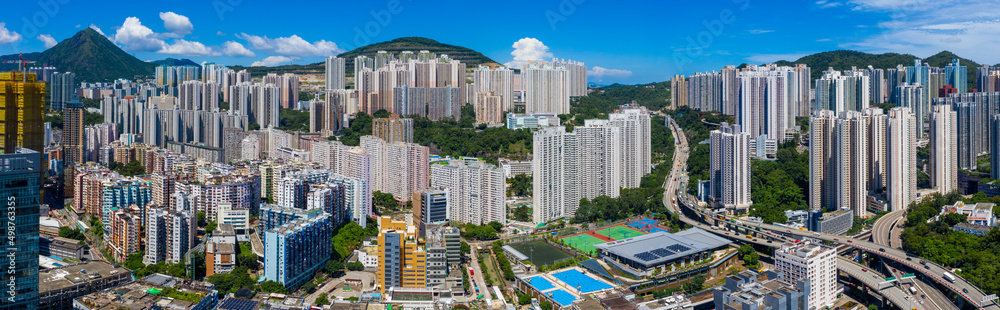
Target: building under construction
{"points": [[22, 112]]}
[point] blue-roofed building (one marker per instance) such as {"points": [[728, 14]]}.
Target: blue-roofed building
{"points": [[665, 260]]}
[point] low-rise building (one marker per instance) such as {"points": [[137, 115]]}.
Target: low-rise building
{"points": [[977, 230], [834, 223], [58, 287], [220, 257], [60, 247], [976, 214], [750, 290], [156, 291], [676, 302], [512, 168], [531, 120]]}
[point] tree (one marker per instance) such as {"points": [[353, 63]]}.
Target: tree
{"points": [[355, 266], [694, 285], [384, 201], [272, 287], [750, 257], [201, 218], [521, 185], [522, 213], [465, 248], [333, 266], [210, 227], [382, 113], [71, 233], [322, 300], [523, 299], [293, 120], [495, 225], [546, 305]]}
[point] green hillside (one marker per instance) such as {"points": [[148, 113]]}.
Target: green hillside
{"points": [[92, 57], [470, 57], [844, 60]]}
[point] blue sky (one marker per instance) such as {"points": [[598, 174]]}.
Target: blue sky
{"points": [[620, 41]]}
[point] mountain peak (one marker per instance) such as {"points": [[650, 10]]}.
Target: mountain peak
{"points": [[93, 57]]}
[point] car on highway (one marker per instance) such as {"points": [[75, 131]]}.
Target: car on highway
{"points": [[927, 267], [864, 270], [965, 290], [850, 241], [881, 249], [835, 239]]}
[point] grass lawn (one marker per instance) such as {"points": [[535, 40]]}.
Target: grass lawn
{"points": [[583, 242], [619, 232], [544, 254]]}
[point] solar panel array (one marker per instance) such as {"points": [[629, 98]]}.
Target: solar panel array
{"points": [[662, 252], [237, 304]]}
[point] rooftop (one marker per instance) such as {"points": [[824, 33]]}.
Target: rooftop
{"points": [[156, 291], [662, 247], [54, 279]]}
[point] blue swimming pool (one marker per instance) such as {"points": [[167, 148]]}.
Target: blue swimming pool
{"points": [[561, 297], [540, 283], [578, 280]]}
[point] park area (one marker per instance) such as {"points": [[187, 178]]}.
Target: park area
{"points": [[541, 253], [585, 241]]}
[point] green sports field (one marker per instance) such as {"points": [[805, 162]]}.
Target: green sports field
{"points": [[544, 253], [583, 242], [619, 232]]}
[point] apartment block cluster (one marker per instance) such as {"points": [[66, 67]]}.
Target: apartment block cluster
{"points": [[437, 86], [597, 159], [765, 100], [862, 158]]}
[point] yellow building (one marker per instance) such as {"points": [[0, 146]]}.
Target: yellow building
{"points": [[402, 257], [22, 112]]}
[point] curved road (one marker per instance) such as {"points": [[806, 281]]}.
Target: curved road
{"points": [[933, 271], [888, 228]]}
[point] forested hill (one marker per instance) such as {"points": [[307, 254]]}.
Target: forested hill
{"points": [[470, 57], [845, 59]]}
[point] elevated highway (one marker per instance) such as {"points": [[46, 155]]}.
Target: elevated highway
{"points": [[692, 213]]}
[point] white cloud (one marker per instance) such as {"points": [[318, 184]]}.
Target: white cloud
{"points": [[187, 48], [260, 43], [296, 46], [769, 58], [7, 36], [271, 61], [894, 5], [824, 40], [233, 48], [98, 29], [760, 31], [924, 28], [48, 40], [528, 50], [292, 46], [178, 25], [134, 37], [220, 33], [599, 73]]}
